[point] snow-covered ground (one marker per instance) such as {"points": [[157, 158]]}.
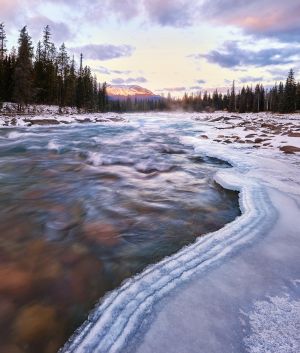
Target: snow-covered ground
{"points": [[234, 290], [50, 115]]}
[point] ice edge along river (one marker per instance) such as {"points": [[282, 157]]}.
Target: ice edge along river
{"points": [[119, 322]]}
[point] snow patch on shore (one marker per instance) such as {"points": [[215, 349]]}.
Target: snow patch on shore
{"points": [[275, 326]]}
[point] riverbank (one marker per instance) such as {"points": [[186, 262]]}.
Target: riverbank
{"points": [[28, 120], [236, 289], [41, 115], [262, 130]]}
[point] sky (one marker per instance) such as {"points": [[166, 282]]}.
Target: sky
{"points": [[169, 45]]}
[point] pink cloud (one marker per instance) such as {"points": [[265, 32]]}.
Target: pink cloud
{"points": [[269, 18], [8, 8]]}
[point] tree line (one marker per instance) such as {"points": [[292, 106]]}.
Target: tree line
{"points": [[49, 76], [282, 98], [46, 76]]}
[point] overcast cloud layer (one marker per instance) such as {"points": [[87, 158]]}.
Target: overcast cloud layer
{"points": [[268, 18]]}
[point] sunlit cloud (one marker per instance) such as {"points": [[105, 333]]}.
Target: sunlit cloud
{"points": [[264, 18]]}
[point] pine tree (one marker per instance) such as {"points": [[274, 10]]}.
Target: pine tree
{"points": [[232, 99], [298, 97], [261, 98], [281, 98], [71, 80], [243, 101], [256, 101], [2, 64], [63, 72], [23, 78], [39, 75], [79, 86], [50, 68], [274, 99], [47, 44], [9, 72], [249, 99], [51, 75], [2, 42], [290, 93]]}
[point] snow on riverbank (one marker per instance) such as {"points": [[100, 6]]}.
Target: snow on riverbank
{"points": [[50, 115], [234, 289], [263, 130]]}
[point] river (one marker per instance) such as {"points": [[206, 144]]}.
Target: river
{"points": [[85, 207]]}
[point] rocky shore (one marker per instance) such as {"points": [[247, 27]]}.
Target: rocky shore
{"points": [[51, 115], [263, 130]]}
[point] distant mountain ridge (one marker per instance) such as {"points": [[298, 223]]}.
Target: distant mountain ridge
{"points": [[115, 92]]}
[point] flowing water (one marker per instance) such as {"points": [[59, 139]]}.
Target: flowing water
{"points": [[84, 208]]}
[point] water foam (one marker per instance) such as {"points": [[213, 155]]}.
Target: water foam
{"points": [[15, 135], [53, 145]]}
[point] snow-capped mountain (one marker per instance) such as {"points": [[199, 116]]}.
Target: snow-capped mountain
{"points": [[132, 91]]}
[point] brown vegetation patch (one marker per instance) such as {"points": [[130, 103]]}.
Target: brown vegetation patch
{"points": [[294, 134]]}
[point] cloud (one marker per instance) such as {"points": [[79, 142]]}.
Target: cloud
{"points": [[201, 82], [105, 71], [227, 81], [196, 87], [263, 18], [231, 55], [172, 13], [8, 8], [60, 31], [247, 79], [175, 13], [174, 89], [123, 9], [121, 81], [104, 51], [12, 13]]}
